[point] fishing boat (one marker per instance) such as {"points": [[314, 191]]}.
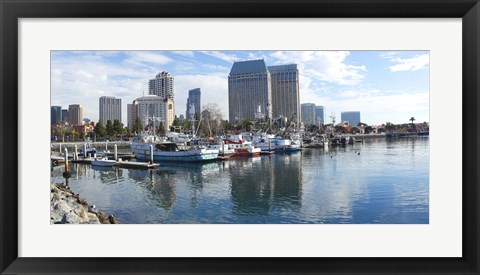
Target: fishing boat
{"points": [[241, 147], [164, 150], [277, 144], [104, 162]]}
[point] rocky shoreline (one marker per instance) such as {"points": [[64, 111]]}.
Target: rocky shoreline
{"points": [[69, 208]]}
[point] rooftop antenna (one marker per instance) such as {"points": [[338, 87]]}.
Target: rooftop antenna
{"points": [[143, 93]]}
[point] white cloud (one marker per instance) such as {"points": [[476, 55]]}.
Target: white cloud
{"points": [[222, 55], [376, 107], [327, 66], [140, 57], [83, 79], [214, 89], [410, 64], [185, 53]]}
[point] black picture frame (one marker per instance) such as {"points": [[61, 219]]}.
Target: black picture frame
{"points": [[12, 10]]}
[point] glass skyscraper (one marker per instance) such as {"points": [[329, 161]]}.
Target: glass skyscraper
{"points": [[193, 104], [319, 115], [308, 114], [353, 117]]}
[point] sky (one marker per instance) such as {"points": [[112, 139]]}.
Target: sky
{"points": [[385, 86]]}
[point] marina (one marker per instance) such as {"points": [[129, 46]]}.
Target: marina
{"points": [[378, 180]]}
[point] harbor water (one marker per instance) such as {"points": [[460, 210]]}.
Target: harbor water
{"points": [[381, 181]]}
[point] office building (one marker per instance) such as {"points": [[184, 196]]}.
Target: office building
{"points": [[152, 106], [193, 104], [110, 108], [162, 85], [64, 115], [319, 115], [285, 92], [55, 115], [75, 114], [353, 118], [132, 113], [249, 86], [308, 114]]}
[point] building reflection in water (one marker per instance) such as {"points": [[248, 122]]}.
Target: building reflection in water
{"points": [[258, 185], [160, 186], [196, 174]]}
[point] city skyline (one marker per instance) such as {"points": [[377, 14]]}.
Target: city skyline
{"points": [[385, 86]]}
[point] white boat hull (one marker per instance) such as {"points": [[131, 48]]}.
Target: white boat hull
{"points": [[191, 155], [103, 163]]}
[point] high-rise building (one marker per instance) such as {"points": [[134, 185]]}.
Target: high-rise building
{"points": [[64, 115], [285, 92], [249, 86], [308, 114], [152, 106], [162, 85], [132, 114], [55, 115], [319, 115], [353, 117], [193, 104], [110, 108], [75, 114]]}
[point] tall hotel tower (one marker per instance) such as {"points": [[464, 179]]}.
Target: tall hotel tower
{"points": [[248, 87], [159, 102], [110, 108], [162, 85], [285, 92]]}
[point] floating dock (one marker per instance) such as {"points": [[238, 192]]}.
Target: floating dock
{"points": [[136, 165]]}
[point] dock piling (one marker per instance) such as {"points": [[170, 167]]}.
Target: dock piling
{"points": [[66, 174], [85, 150], [151, 154], [115, 152], [75, 156]]}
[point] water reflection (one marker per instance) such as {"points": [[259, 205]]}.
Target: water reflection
{"points": [[274, 181], [160, 186], [371, 182]]}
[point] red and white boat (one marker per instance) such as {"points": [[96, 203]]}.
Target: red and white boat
{"points": [[241, 147]]}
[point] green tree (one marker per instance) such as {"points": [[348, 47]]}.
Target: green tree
{"points": [[128, 132], [118, 127], [247, 124], [137, 125], [100, 130], [109, 128]]}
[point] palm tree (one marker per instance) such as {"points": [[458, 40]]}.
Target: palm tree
{"points": [[412, 119]]}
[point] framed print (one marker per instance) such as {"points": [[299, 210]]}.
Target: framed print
{"points": [[331, 137]]}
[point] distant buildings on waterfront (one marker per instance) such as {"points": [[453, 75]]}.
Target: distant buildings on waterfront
{"points": [[319, 115], [55, 115], [308, 114], [353, 118], [285, 91], [156, 107], [110, 108], [255, 89], [75, 114], [249, 86], [193, 104], [162, 85]]}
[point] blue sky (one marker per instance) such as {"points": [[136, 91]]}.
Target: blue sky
{"points": [[385, 86]]}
